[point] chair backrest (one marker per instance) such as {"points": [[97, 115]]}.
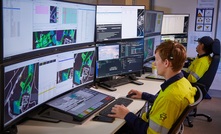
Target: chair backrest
{"points": [[198, 97], [209, 75]]}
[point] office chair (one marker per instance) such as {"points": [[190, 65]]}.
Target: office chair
{"points": [[178, 123], [206, 80], [209, 75]]}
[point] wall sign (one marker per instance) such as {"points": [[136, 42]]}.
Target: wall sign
{"points": [[204, 19]]}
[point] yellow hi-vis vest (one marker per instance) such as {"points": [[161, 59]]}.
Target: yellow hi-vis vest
{"points": [[198, 67], [168, 106]]}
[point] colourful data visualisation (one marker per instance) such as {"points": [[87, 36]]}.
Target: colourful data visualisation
{"points": [[45, 39], [83, 68], [140, 22], [21, 90], [64, 75]]}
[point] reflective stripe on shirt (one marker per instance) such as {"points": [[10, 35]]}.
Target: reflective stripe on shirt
{"points": [[195, 75], [157, 128]]}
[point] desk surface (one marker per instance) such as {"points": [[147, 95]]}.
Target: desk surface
{"points": [[39, 127]]}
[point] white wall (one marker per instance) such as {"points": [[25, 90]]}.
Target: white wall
{"points": [[189, 7], [217, 82], [218, 32]]}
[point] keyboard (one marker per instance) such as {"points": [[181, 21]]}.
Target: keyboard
{"points": [[117, 82], [119, 101]]}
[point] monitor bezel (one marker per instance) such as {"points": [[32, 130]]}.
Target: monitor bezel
{"points": [[1, 33], [1, 99]]}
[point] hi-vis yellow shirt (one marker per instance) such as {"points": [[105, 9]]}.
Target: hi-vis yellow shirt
{"points": [[198, 67], [168, 106]]}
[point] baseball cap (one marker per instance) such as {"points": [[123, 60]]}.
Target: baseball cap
{"points": [[206, 40]]}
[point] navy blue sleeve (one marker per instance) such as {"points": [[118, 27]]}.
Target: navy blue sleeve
{"points": [[137, 124], [149, 97], [185, 74]]}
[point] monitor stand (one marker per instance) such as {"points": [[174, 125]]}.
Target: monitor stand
{"points": [[52, 115], [132, 77], [99, 83], [38, 115], [12, 130], [129, 78], [108, 88]]}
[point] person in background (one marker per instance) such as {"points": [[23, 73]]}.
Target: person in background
{"points": [[175, 94], [202, 62]]}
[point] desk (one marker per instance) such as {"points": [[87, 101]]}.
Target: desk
{"points": [[92, 127]]}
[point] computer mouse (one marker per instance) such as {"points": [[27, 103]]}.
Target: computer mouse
{"points": [[129, 95]]}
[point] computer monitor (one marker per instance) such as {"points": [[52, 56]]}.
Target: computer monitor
{"points": [[77, 105], [119, 22], [153, 22], [119, 58], [180, 38], [32, 25], [30, 83], [150, 44], [175, 24]]}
